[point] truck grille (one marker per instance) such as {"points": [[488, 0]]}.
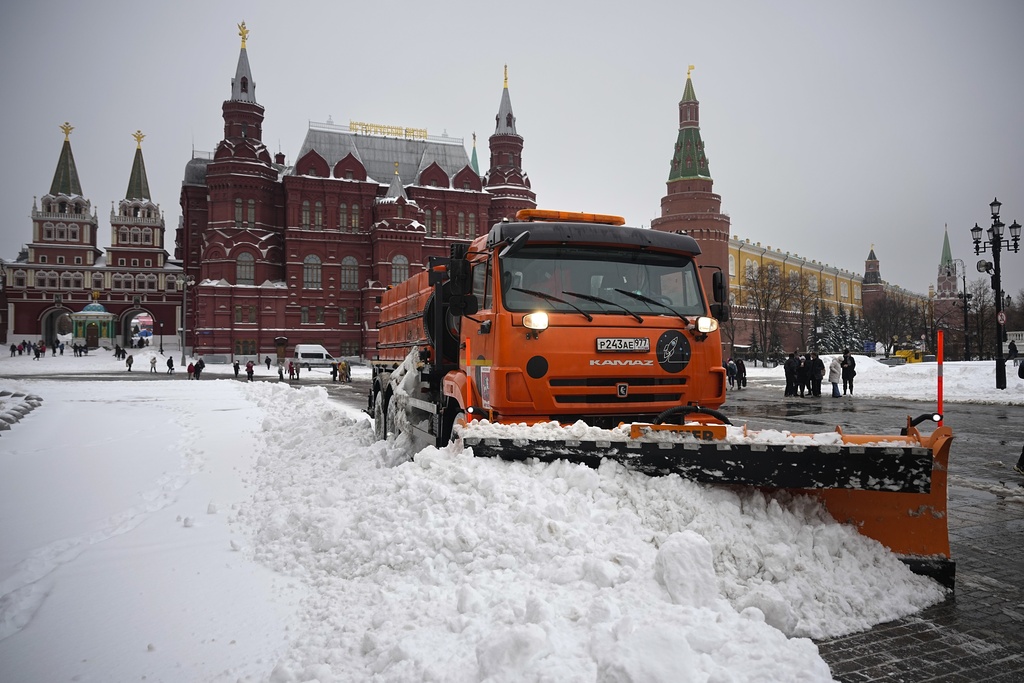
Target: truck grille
{"points": [[591, 390]]}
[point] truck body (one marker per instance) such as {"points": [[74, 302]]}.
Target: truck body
{"points": [[580, 321]]}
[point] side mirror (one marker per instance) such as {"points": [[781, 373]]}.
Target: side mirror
{"points": [[720, 312], [461, 305], [718, 286], [514, 245]]}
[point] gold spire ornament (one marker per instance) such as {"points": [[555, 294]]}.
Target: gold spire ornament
{"points": [[396, 168], [506, 76], [244, 32], [690, 68], [67, 128], [139, 137]]}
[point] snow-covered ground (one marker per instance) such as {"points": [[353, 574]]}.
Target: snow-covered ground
{"points": [[218, 530]]}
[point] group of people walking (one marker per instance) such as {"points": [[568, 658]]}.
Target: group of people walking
{"points": [[736, 373]]}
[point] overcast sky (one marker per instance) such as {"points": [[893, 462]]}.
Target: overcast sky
{"points": [[829, 127]]}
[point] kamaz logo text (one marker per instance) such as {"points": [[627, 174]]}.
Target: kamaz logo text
{"points": [[622, 362]]}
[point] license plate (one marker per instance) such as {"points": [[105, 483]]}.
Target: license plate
{"points": [[629, 344]]}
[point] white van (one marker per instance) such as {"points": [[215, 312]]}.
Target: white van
{"points": [[312, 356]]}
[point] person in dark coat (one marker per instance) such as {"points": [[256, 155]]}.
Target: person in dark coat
{"points": [[267, 361], [741, 374], [848, 364], [803, 376], [791, 366], [817, 374], [237, 367]]}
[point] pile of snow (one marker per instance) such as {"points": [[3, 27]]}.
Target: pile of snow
{"points": [[449, 567]]}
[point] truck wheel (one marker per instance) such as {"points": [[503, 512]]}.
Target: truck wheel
{"points": [[452, 416], [380, 427]]}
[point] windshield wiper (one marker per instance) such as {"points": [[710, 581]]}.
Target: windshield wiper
{"points": [[648, 300], [599, 300], [552, 297]]}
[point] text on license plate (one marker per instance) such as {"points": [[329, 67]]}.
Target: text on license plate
{"points": [[636, 344]]}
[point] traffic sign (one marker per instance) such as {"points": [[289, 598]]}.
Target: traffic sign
{"points": [[1001, 317]]}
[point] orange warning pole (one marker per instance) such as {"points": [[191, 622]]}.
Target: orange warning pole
{"points": [[938, 358]]}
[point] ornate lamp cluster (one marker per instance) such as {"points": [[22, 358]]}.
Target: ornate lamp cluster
{"points": [[995, 243]]}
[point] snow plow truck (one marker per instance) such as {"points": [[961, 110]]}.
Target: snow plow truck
{"points": [[576, 320]]}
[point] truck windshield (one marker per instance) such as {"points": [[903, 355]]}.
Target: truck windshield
{"points": [[605, 277]]}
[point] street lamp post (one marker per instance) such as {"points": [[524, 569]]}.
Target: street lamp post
{"points": [[183, 284], [995, 243], [161, 339]]}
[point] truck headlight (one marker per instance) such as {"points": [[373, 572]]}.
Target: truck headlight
{"points": [[706, 325], [536, 321]]}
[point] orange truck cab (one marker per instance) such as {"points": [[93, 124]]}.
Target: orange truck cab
{"points": [[555, 316]]}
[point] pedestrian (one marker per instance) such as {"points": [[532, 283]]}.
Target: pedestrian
{"points": [[803, 376], [790, 367], [835, 375], [334, 372], [297, 368], [730, 372], [170, 365], [267, 361], [817, 374], [200, 366], [237, 367], [291, 371], [1011, 351], [14, 350], [741, 374], [191, 370], [152, 364], [62, 348], [280, 370], [128, 361], [848, 364], [250, 370]]}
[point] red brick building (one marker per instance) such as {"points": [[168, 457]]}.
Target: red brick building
{"points": [[304, 251]]}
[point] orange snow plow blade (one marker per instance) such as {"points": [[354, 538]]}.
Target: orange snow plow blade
{"points": [[912, 525]]}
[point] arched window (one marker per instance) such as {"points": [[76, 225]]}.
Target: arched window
{"points": [[62, 232], [472, 225], [311, 272], [48, 231], [343, 217], [399, 269], [140, 282], [426, 218], [147, 235], [245, 269], [136, 235], [812, 283], [462, 224], [77, 281], [252, 213], [238, 212], [123, 236], [437, 223], [305, 215], [65, 281], [73, 233], [97, 281], [151, 282], [355, 217], [19, 278], [349, 273], [318, 216], [116, 282], [244, 86], [171, 283], [732, 266]]}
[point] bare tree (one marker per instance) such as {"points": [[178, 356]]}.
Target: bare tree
{"points": [[892, 316], [768, 294], [803, 301], [982, 313]]}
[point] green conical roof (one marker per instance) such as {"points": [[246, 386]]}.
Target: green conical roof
{"points": [[65, 178], [472, 161], [688, 160], [947, 253], [138, 184]]}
